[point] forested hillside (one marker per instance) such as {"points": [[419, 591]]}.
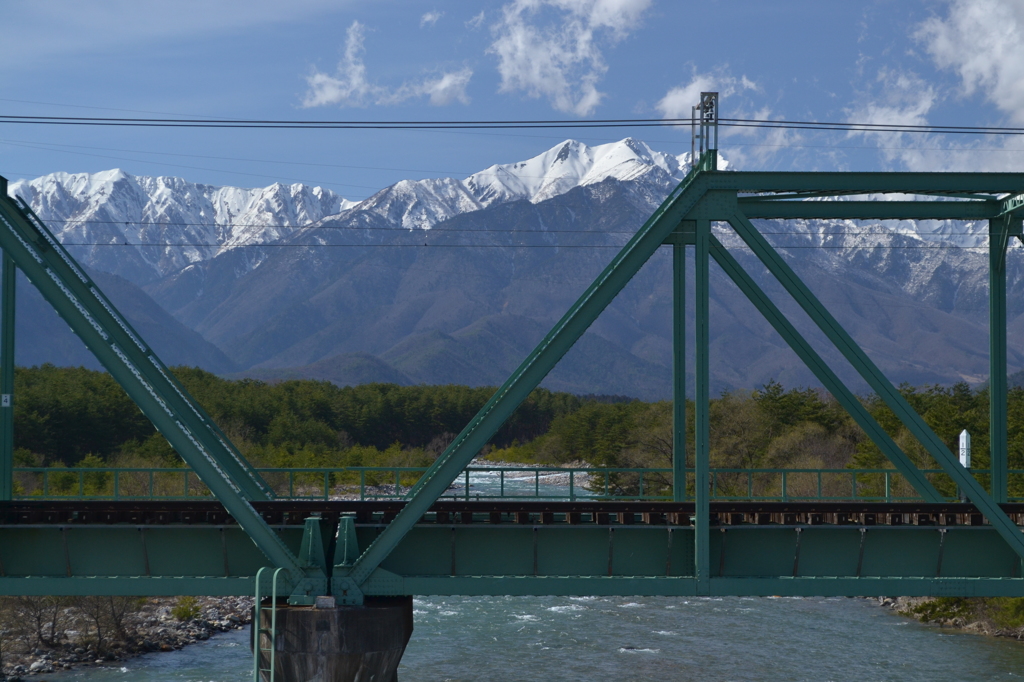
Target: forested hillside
{"points": [[75, 416]]}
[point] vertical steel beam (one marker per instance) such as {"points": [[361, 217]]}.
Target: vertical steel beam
{"points": [[823, 372], [7, 378], [702, 449], [678, 372], [828, 324], [529, 374], [998, 239]]}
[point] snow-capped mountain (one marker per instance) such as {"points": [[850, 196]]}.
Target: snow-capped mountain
{"points": [[420, 204], [572, 164], [914, 293], [154, 217]]}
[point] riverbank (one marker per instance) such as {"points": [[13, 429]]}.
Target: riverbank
{"points": [[992, 617], [40, 636]]}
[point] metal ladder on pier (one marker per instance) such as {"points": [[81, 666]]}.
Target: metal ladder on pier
{"points": [[259, 631]]}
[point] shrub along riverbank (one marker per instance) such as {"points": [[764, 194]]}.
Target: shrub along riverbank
{"points": [[48, 634], [992, 616]]}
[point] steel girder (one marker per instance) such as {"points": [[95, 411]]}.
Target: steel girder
{"points": [[758, 207], [8, 276], [405, 557], [703, 196], [832, 183], [509, 559], [678, 372], [823, 372], [877, 380], [27, 242], [529, 374]]}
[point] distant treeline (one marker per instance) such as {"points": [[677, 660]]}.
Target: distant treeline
{"points": [[69, 416], [65, 415]]}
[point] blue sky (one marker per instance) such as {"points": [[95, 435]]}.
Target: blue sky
{"points": [[940, 62]]}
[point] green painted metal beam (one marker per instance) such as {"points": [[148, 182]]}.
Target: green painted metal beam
{"points": [[518, 585], [678, 372], [1012, 205], [135, 367], [756, 207], [830, 194], [119, 333], [686, 587], [510, 559], [702, 432], [559, 340], [8, 277], [832, 383], [871, 183], [998, 240], [877, 380]]}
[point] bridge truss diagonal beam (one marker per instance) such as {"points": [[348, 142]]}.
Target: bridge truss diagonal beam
{"points": [[73, 295], [544, 357], [822, 371], [877, 380], [203, 428]]}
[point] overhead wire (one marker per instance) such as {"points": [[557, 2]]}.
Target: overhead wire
{"points": [[493, 246], [432, 230], [848, 126], [466, 126]]}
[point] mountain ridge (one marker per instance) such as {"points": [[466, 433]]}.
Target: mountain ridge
{"points": [[516, 244]]}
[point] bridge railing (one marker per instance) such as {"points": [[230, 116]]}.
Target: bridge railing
{"points": [[498, 482]]}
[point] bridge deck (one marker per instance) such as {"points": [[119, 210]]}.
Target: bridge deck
{"points": [[522, 548], [493, 512]]}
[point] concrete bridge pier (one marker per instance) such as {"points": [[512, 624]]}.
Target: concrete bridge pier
{"points": [[337, 644]]}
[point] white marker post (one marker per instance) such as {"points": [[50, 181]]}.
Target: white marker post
{"points": [[965, 459]]}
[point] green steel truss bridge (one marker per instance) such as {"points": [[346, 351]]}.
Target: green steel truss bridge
{"points": [[250, 536]]}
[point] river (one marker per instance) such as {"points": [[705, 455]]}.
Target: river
{"points": [[588, 639], [615, 639]]}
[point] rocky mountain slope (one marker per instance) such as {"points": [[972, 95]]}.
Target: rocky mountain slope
{"points": [[448, 280]]}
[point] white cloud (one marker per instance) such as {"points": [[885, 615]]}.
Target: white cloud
{"points": [[983, 42], [678, 102], [561, 60], [902, 99], [430, 18], [350, 87], [446, 89], [905, 100], [476, 22], [757, 147]]}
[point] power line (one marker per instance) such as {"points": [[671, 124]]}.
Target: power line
{"points": [[499, 124], [869, 127], [57, 148], [425, 231], [273, 245], [397, 230], [497, 246]]}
